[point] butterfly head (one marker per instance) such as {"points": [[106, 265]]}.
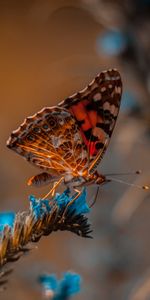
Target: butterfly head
{"points": [[98, 178]]}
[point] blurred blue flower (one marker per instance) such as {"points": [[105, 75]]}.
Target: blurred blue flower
{"points": [[6, 219], [60, 289], [48, 282], [42, 206], [68, 286], [129, 102], [112, 42]]}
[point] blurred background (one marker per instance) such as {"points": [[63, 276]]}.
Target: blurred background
{"points": [[49, 50]]}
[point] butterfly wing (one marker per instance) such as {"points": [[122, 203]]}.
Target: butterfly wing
{"points": [[96, 109], [51, 140], [61, 139]]}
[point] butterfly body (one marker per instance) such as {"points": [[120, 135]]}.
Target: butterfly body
{"points": [[68, 141], [72, 180], [84, 180]]}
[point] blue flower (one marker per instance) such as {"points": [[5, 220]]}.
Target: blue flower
{"points": [[112, 42], [42, 206], [6, 219], [60, 289]]}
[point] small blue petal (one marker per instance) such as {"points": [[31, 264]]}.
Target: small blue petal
{"points": [[72, 281], [39, 206], [79, 205], [6, 218], [46, 205], [112, 42], [68, 286], [35, 206], [48, 282], [61, 199]]}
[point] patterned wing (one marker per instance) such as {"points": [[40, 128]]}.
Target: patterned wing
{"points": [[96, 109], [51, 140]]}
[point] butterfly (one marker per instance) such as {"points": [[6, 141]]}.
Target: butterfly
{"points": [[68, 141]]}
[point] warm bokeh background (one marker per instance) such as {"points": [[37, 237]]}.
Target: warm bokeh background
{"points": [[49, 50]]}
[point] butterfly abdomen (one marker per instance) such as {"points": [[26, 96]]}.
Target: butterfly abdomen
{"points": [[41, 179]]}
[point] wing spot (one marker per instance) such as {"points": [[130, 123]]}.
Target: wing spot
{"points": [[97, 97], [106, 105], [118, 90], [112, 109], [115, 112], [103, 89]]}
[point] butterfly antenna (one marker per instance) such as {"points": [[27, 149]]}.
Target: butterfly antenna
{"points": [[137, 172], [95, 198], [144, 187]]}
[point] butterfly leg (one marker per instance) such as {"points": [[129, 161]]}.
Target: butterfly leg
{"points": [[71, 202], [54, 188], [95, 198], [52, 191], [76, 197]]}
